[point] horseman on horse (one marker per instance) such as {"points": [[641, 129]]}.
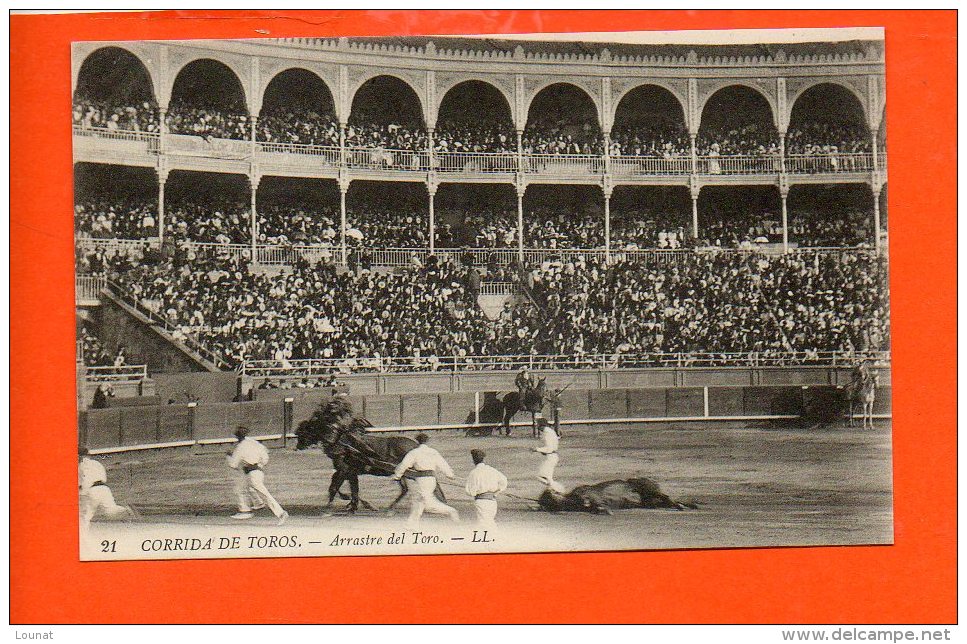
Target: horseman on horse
{"points": [[529, 396], [862, 390], [352, 449]]}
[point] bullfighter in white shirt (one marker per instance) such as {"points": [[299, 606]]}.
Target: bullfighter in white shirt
{"points": [[249, 459], [425, 462], [551, 438], [95, 495], [484, 484]]}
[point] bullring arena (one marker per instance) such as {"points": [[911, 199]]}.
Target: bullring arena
{"points": [[688, 242]]}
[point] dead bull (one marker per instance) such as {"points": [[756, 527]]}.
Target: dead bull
{"points": [[609, 496]]}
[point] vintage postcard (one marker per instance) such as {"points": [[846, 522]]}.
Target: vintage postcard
{"points": [[432, 295]]}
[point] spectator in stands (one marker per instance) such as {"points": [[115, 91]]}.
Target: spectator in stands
{"points": [[92, 114]]}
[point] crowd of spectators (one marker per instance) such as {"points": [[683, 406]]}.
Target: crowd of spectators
{"points": [[549, 135], [298, 125], [315, 311], [706, 302], [827, 138], [639, 228], [748, 140], [546, 228], [116, 218], [714, 303], [377, 226], [184, 118], [224, 220], [453, 136], [94, 114], [661, 138], [657, 138]]}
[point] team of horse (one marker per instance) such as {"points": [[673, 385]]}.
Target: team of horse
{"points": [[354, 451]]}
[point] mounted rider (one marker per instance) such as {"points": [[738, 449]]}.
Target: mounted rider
{"points": [[524, 381]]}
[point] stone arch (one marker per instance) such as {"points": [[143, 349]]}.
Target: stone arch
{"points": [[284, 75], [140, 72], [495, 90], [365, 80], [808, 87], [542, 87], [81, 52], [229, 74], [725, 85], [681, 100], [240, 75], [653, 111]]}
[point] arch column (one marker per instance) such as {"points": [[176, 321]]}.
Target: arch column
{"points": [[431, 187], [162, 179], [521, 188], [874, 133], [607, 151], [254, 180], [692, 136], [342, 144], [608, 190], [782, 151], [877, 186], [695, 189], [784, 198], [344, 182], [520, 152]]}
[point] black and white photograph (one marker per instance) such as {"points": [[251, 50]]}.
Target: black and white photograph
{"points": [[436, 294]]}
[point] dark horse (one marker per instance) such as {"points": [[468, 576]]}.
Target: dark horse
{"points": [[353, 450], [533, 401]]}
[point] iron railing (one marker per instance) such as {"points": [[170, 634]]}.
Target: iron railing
{"points": [[112, 374], [171, 328], [118, 135], [828, 163], [628, 166], [476, 162], [322, 367], [740, 164], [387, 160], [497, 288], [286, 254], [394, 160], [563, 164], [88, 288]]}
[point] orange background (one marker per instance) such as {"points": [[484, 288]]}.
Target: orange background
{"points": [[912, 581]]}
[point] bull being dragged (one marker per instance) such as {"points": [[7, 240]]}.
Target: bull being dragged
{"points": [[604, 498]]}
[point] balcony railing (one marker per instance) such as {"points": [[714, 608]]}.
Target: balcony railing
{"points": [[322, 366], [327, 154], [563, 164], [208, 147], [87, 288], [828, 163], [470, 163], [496, 288], [285, 254], [386, 159], [476, 162], [745, 164], [629, 166], [112, 374]]}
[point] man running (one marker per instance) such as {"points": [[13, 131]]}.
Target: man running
{"points": [[484, 484], [95, 495], [551, 439], [249, 459], [425, 462]]}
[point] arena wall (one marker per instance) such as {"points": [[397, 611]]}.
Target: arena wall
{"points": [[184, 425]]}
